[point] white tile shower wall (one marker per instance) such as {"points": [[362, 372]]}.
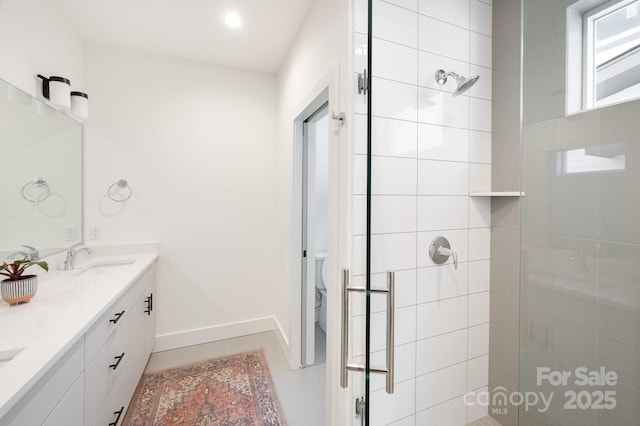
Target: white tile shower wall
{"points": [[430, 150]]}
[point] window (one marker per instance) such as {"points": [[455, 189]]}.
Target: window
{"points": [[603, 53]]}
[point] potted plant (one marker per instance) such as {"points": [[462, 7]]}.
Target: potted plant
{"points": [[18, 287]]}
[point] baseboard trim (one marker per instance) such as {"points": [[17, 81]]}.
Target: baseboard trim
{"points": [[282, 339], [166, 342]]}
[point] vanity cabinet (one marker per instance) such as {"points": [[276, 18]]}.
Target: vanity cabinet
{"points": [[117, 364], [94, 380], [49, 394]]}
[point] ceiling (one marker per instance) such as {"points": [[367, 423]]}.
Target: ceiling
{"points": [[193, 29]]}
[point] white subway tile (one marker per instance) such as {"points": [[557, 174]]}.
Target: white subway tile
{"points": [[443, 39], [394, 138], [405, 365], [443, 316], [478, 340], [439, 352], [440, 386], [459, 240], [482, 88], [481, 17], [394, 100], [359, 134], [442, 143], [478, 373], [359, 255], [479, 212], [361, 16], [393, 213], [443, 109], [442, 212], [405, 282], [478, 308], [407, 421], [455, 12], [393, 176], [405, 328], [359, 209], [359, 174], [388, 408], [443, 178], [479, 147], [450, 413], [479, 244], [429, 63], [357, 336], [480, 50], [479, 276], [479, 177], [392, 252], [395, 61], [480, 114], [442, 282], [407, 4], [394, 23]]}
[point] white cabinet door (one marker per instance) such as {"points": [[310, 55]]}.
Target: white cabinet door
{"points": [[40, 401], [70, 411], [108, 366]]}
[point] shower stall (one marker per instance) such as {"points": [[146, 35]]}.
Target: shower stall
{"points": [[529, 315]]}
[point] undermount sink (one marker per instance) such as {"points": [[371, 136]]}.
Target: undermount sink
{"points": [[8, 355], [107, 264]]}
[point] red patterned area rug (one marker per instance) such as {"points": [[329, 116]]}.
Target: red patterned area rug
{"points": [[231, 390]]}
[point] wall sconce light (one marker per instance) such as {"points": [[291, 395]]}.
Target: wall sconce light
{"points": [[80, 105], [57, 90]]}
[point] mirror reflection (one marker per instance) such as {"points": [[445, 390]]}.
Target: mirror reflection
{"points": [[41, 175]]}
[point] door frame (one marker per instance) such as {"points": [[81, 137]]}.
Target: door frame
{"points": [[339, 189], [308, 274]]}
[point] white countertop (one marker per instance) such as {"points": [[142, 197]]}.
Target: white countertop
{"points": [[66, 305]]}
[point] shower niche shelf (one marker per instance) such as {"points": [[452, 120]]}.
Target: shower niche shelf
{"points": [[497, 194]]}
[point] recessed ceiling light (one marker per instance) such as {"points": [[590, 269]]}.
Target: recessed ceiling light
{"points": [[233, 20]]}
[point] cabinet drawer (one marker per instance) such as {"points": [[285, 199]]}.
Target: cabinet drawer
{"points": [[107, 367], [110, 320], [34, 408], [70, 411], [116, 405]]}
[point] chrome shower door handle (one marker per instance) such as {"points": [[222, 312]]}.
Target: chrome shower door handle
{"points": [[344, 343], [345, 367]]}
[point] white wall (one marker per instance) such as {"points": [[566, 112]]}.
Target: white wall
{"points": [[35, 39], [196, 142], [429, 151]]}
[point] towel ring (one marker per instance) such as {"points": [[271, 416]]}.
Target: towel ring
{"points": [[120, 184], [38, 183]]}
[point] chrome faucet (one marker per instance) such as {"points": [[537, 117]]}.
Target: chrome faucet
{"points": [[30, 255], [72, 255]]}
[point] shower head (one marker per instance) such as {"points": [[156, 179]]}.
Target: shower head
{"points": [[464, 83]]}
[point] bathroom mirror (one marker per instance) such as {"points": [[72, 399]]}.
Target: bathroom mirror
{"points": [[40, 175]]}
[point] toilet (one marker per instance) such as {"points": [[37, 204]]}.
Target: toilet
{"points": [[321, 289]]}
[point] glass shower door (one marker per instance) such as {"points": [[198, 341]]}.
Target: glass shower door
{"points": [[580, 235]]}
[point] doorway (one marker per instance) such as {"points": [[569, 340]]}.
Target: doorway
{"points": [[314, 300]]}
